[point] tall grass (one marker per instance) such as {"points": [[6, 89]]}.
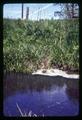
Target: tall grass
{"points": [[27, 44]]}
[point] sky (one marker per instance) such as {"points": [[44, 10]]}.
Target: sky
{"points": [[36, 11]]}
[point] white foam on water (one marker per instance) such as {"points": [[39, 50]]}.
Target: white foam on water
{"points": [[55, 72]]}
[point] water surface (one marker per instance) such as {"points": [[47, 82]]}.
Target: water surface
{"points": [[51, 96]]}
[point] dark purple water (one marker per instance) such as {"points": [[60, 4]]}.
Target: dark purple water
{"points": [[51, 96]]}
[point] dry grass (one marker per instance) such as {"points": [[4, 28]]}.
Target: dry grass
{"points": [[30, 114]]}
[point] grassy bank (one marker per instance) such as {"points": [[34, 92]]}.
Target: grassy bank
{"points": [[30, 45]]}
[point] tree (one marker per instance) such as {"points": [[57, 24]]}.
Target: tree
{"points": [[68, 10]]}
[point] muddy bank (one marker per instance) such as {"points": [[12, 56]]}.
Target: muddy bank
{"points": [[68, 69]]}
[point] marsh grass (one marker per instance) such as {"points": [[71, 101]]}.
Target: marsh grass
{"points": [[26, 44]]}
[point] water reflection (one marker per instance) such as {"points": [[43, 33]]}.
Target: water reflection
{"points": [[50, 95], [72, 90], [21, 82]]}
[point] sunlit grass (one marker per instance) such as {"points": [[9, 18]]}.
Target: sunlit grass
{"points": [[27, 44]]}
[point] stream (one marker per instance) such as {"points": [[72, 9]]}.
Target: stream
{"points": [[42, 95]]}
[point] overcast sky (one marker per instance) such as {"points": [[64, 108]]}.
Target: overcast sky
{"points": [[36, 11]]}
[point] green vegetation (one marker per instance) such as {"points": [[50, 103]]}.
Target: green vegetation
{"points": [[26, 44]]}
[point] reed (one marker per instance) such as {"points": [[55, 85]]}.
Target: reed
{"points": [[29, 114]]}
